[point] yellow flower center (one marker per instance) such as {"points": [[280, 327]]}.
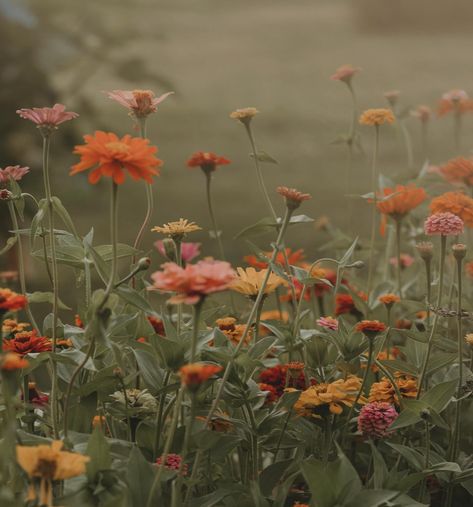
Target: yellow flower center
{"points": [[118, 147]]}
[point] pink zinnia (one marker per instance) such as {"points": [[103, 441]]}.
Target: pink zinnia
{"points": [[345, 73], [445, 224], [195, 281], [140, 102], [406, 260], [189, 251], [173, 462], [47, 116], [13, 172], [375, 419], [328, 323]]}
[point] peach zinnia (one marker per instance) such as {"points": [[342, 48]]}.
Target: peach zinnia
{"points": [[370, 328], [293, 197], [457, 203], [345, 73], [13, 172], [458, 170], [108, 155], [49, 117], [376, 117]]}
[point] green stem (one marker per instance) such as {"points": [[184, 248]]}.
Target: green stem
{"points": [[398, 253], [281, 435], [428, 275], [254, 440], [195, 329], [159, 419], [374, 186], [327, 439], [257, 321], [443, 244], [208, 176]]}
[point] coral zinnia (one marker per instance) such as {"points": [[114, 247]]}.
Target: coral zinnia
{"points": [[345, 73], [27, 342], [404, 199], [11, 301], [375, 419], [458, 170], [207, 161], [294, 198], [455, 100], [457, 203], [444, 224], [377, 117], [13, 172], [294, 258], [173, 462], [49, 117], [140, 102], [344, 303], [249, 282], [12, 362], [195, 374], [328, 323], [108, 155], [195, 281], [370, 328], [389, 299]]}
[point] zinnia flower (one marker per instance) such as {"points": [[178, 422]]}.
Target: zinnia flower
{"points": [[458, 170], [445, 224], [141, 103], [271, 394], [385, 392], [389, 299], [108, 155], [193, 375], [294, 258], [370, 328], [375, 419], [27, 342], [49, 463], [189, 251], [457, 203], [11, 326], [249, 282], [244, 115], [377, 117], [11, 301], [13, 172], [345, 73], [422, 113], [233, 331], [403, 200], [276, 376], [344, 303], [293, 197], [469, 268], [406, 260], [177, 230], [469, 339], [455, 100], [47, 117], [328, 323], [207, 161], [173, 462], [12, 362], [193, 282]]}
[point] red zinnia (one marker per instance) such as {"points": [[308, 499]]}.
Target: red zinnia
{"points": [[27, 342]]}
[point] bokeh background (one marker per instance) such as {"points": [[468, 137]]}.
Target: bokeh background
{"points": [[218, 55]]}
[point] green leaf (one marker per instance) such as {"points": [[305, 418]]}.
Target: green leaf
{"points": [[99, 452], [133, 297], [261, 227], [63, 214], [37, 220], [140, 475], [11, 242], [45, 297], [440, 395], [264, 157]]}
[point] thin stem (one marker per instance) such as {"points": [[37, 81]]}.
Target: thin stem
{"points": [[208, 176], [398, 253], [374, 185], [427, 457], [327, 439], [457, 127], [428, 276], [257, 321], [159, 418], [443, 244], [424, 141], [281, 435], [259, 173], [195, 329]]}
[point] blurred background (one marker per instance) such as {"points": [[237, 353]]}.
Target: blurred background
{"points": [[219, 55]]}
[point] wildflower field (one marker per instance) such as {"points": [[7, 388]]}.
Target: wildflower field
{"points": [[335, 378]]}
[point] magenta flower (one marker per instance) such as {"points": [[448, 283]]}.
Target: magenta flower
{"points": [[328, 323], [375, 418], [189, 251], [13, 172], [47, 116], [140, 102], [445, 224]]}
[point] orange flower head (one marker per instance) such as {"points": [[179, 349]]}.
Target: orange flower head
{"points": [[11, 301], [27, 342], [454, 101], [12, 362], [370, 328], [458, 170], [193, 375], [207, 161], [376, 117], [389, 299], [344, 303], [293, 197], [233, 331], [99, 421], [457, 203], [295, 366], [11, 326], [108, 155], [384, 391], [294, 258], [469, 268], [403, 200]]}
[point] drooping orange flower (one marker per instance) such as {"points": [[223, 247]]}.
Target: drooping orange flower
{"points": [[457, 203], [193, 375], [294, 258], [11, 301], [370, 327], [27, 342], [12, 362], [108, 155], [206, 160], [458, 170], [404, 199]]}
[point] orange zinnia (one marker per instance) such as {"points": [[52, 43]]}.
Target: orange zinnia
{"points": [[206, 160], [454, 202], [27, 342], [403, 200], [108, 155], [370, 327], [194, 374], [11, 301], [294, 258], [12, 362], [458, 170]]}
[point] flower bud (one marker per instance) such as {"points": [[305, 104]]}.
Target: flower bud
{"points": [[144, 263], [170, 249], [356, 265], [5, 195], [426, 250], [459, 251]]}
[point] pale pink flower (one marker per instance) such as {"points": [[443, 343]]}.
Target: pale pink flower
{"points": [[13, 172], [47, 116], [189, 250], [392, 97], [455, 95], [445, 224], [345, 73], [375, 418], [406, 260], [422, 113], [194, 282], [140, 102], [328, 323]]}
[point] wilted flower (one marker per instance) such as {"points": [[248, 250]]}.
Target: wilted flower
{"points": [[293, 197], [47, 118], [173, 462], [207, 161], [457, 203], [377, 117], [13, 172], [12, 362], [345, 73], [375, 419], [328, 323], [141, 103], [249, 282], [140, 401], [109, 156], [445, 224], [193, 282], [193, 375], [27, 342], [11, 301], [458, 170]]}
